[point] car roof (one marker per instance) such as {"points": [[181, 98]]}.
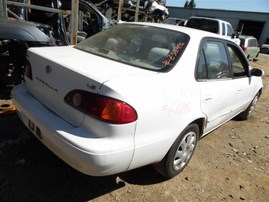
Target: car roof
{"points": [[207, 18]]}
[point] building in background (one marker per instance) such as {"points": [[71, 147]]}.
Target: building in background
{"points": [[248, 23]]}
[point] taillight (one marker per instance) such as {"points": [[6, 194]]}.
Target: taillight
{"points": [[101, 107], [28, 70], [244, 48]]}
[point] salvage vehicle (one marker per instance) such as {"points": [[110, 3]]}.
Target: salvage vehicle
{"points": [[15, 38], [135, 94], [149, 10], [40, 28], [158, 11], [90, 19]]}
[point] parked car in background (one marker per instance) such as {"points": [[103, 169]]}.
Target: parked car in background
{"points": [[213, 25], [40, 28], [15, 38], [265, 48], [250, 46], [135, 94], [90, 19]]}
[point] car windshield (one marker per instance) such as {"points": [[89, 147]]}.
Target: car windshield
{"points": [[142, 46]]}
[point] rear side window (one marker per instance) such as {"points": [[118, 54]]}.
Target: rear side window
{"points": [[213, 62]]}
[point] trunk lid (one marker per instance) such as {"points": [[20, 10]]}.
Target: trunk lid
{"points": [[58, 70]]}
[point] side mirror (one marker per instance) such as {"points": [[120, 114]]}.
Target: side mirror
{"points": [[256, 72]]}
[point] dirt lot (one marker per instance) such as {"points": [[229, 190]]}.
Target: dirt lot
{"points": [[230, 164]]}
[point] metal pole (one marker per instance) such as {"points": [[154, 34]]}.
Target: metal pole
{"points": [[42, 8], [3, 8], [74, 22], [137, 10], [120, 9]]}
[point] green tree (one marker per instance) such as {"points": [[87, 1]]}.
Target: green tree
{"points": [[186, 4], [190, 4]]}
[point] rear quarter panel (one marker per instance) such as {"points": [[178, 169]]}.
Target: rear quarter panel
{"points": [[165, 103]]}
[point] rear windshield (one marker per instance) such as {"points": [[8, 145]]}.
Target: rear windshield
{"points": [[204, 24], [138, 45]]}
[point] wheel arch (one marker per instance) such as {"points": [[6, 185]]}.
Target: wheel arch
{"points": [[260, 92], [201, 124]]}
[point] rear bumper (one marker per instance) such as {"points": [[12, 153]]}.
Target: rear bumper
{"points": [[77, 146]]}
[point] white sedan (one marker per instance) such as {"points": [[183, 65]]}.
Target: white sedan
{"points": [[135, 94]]}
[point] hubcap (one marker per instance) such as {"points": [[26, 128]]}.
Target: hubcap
{"points": [[253, 104], [184, 150]]}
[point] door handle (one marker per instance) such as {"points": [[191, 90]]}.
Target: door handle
{"points": [[208, 98]]}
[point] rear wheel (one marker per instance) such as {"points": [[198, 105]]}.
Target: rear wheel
{"points": [[180, 153]]}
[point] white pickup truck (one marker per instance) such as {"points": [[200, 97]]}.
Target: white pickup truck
{"points": [[214, 25]]}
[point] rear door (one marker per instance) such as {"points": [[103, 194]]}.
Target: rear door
{"points": [[216, 84]]}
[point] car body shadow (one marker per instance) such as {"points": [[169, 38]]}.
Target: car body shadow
{"points": [[31, 172]]}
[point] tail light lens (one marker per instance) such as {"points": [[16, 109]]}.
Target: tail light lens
{"points": [[101, 107], [28, 70], [244, 48]]}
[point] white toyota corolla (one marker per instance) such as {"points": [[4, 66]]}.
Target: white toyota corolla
{"points": [[135, 94]]}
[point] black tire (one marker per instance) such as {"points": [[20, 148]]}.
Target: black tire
{"points": [[264, 50], [180, 152], [247, 113]]}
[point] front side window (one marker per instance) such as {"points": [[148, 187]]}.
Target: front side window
{"points": [[138, 45], [237, 62], [213, 62]]}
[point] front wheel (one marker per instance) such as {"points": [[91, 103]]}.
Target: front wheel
{"points": [[180, 152], [246, 114]]}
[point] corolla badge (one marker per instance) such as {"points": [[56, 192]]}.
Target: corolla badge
{"points": [[48, 69]]}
